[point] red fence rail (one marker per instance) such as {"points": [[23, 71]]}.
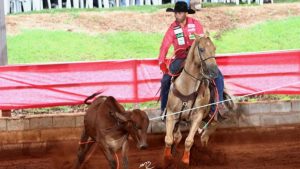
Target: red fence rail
{"points": [[134, 81]]}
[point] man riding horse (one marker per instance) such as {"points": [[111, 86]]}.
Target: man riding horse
{"points": [[181, 35]]}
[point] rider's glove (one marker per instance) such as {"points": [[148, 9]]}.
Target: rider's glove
{"points": [[163, 67]]}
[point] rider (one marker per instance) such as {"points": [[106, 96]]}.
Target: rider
{"points": [[181, 35]]}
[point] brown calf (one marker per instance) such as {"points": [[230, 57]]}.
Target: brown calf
{"points": [[108, 126]]}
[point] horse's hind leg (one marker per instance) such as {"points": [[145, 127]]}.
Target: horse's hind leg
{"points": [[177, 139], [83, 149]]}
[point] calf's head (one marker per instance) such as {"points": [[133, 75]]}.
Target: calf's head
{"points": [[135, 122]]}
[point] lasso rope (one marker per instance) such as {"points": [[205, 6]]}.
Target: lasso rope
{"points": [[215, 103]]}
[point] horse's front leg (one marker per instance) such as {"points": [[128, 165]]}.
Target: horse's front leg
{"points": [[190, 138], [170, 124], [125, 149]]}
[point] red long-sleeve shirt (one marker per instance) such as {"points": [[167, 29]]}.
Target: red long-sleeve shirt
{"points": [[180, 37]]}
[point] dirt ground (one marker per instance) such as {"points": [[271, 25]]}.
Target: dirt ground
{"points": [[256, 148], [214, 19]]}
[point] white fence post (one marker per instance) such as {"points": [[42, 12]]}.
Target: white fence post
{"points": [[81, 4], [13, 6], [36, 5], [99, 3], [127, 2], [59, 4], [117, 3], [42, 5], [76, 3], [142, 2], [89, 4], [106, 3], [49, 4], [148, 2], [6, 7], [3, 44], [27, 5], [68, 5], [19, 5]]}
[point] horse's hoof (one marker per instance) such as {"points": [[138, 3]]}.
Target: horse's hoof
{"points": [[186, 158], [167, 153]]}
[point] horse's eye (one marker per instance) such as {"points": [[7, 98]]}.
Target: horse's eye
{"points": [[201, 50], [135, 126]]}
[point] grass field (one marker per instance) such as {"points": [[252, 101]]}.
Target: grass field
{"points": [[271, 35], [42, 46]]}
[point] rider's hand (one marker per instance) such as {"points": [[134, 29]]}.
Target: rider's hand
{"points": [[163, 67], [182, 53]]}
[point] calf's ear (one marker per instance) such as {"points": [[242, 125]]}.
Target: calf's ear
{"points": [[113, 105], [115, 109], [120, 116]]}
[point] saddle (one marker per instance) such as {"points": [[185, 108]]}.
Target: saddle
{"points": [[193, 96]]}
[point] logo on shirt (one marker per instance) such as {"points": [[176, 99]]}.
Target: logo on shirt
{"points": [[179, 35]]}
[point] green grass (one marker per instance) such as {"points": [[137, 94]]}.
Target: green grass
{"points": [[271, 35], [41, 46]]}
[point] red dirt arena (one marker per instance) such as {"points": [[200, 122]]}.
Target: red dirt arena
{"points": [[255, 148]]}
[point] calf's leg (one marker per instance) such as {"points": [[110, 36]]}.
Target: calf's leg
{"points": [[84, 147]]}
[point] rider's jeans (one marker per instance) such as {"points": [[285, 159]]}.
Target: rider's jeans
{"points": [[175, 67], [220, 86]]}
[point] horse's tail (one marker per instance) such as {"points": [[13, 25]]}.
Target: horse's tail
{"points": [[229, 103], [91, 97]]}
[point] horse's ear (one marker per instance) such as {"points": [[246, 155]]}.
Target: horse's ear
{"points": [[198, 36], [206, 34]]}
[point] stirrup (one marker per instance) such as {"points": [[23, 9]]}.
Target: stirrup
{"points": [[163, 115]]}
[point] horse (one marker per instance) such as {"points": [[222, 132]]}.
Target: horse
{"points": [[108, 125], [191, 89]]}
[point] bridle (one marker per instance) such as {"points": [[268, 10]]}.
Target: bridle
{"points": [[204, 69]]}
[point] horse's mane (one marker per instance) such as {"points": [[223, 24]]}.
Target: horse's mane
{"points": [[192, 49]]}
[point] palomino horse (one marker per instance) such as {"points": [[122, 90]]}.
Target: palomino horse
{"points": [[108, 126], [190, 89]]}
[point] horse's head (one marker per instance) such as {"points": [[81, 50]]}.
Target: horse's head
{"points": [[204, 56]]}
